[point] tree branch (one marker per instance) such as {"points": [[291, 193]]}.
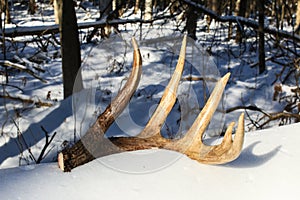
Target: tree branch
{"points": [[29, 101], [22, 68], [43, 30], [242, 21]]}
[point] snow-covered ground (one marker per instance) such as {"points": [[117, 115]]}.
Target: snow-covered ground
{"points": [[267, 167]]}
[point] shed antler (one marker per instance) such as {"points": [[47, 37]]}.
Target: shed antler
{"points": [[94, 144]]}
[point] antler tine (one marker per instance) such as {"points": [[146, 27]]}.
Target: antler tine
{"points": [[121, 100], [192, 144], [167, 100], [229, 149], [196, 131]]}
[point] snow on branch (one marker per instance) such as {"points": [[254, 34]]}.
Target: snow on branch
{"points": [[43, 30], [22, 68], [243, 21]]}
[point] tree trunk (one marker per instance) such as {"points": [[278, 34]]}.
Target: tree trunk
{"points": [[214, 6], [105, 7], [297, 27], [191, 22], [241, 6], [148, 10], [5, 9], [231, 4], [137, 6], [261, 35], [31, 7], [57, 4], [70, 49]]}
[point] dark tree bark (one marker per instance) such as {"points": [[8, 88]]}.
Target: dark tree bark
{"points": [[241, 6], [70, 49], [230, 27], [31, 7], [105, 7], [214, 6], [191, 22], [261, 35]]}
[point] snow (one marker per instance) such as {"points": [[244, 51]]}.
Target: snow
{"points": [[268, 168]]}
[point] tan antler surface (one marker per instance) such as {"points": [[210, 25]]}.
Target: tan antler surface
{"points": [[94, 144], [84, 150], [168, 99]]}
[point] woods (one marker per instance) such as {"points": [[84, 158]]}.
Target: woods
{"points": [[49, 43]]}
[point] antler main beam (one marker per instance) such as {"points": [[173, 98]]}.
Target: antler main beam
{"points": [[93, 144], [87, 148]]}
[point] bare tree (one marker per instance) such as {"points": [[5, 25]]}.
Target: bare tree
{"points": [[4, 8], [261, 35], [57, 4], [240, 10], [214, 6], [297, 27], [105, 7], [136, 6], [191, 22], [148, 10], [70, 48], [31, 7]]}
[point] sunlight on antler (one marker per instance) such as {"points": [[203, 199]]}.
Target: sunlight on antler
{"points": [[192, 144], [94, 144], [167, 100]]}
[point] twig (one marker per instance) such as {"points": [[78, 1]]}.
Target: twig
{"points": [[253, 108], [9, 85], [47, 143], [271, 116], [22, 141]]}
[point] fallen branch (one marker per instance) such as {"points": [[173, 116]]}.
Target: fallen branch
{"points": [[197, 78], [22, 68], [28, 101], [25, 61], [53, 29], [253, 108], [281, 115]]}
